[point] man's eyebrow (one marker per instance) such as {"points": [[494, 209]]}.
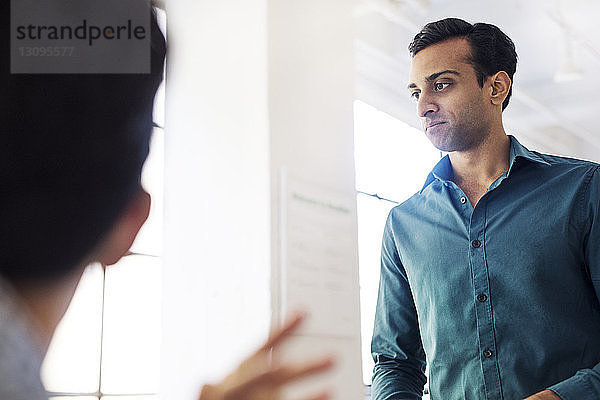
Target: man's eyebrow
{"points": [[437, 74], [434, 76]]}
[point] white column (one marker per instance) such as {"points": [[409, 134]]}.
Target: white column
{"points": [[311, 78], [253, 85]]}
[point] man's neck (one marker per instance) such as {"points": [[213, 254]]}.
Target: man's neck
{"points": [[476, 169]]}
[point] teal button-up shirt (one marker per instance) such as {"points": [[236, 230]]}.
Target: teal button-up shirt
{"points": [[502, 300]]}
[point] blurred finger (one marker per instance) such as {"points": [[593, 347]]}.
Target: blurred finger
{"points": [[291, 373], [285, 331], [276, 378]]}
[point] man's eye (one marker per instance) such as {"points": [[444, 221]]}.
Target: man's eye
{"points": [[440, 86], [414, 96]]}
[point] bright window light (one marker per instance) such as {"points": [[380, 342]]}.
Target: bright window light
{"points": [[131, 340], [392, 158], [392, 161]]}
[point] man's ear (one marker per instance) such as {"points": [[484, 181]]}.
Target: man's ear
{"points": [[500, 86], [120, 238]]}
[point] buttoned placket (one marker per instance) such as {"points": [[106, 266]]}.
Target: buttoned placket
{"points": [[483, 301], [476, 220]]}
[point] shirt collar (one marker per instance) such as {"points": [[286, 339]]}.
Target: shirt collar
{"points": [[518, 150], [443, 169]]}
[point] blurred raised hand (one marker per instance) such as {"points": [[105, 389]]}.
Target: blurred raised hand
{"points": [[259, 378]]}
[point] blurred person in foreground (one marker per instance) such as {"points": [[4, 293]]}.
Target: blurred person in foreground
{"points": [[73, 147]]}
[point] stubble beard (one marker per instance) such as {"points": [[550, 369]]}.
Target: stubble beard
{"points": [[468, 134], [448, 138]]}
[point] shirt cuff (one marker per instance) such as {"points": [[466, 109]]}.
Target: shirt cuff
{"points": [[574, 388]]}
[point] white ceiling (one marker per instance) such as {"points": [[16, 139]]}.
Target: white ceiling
{"points": [[554, 117]]}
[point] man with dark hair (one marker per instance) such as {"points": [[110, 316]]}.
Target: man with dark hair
{"points": [[491, 272], [491, 49], [73, 147]]}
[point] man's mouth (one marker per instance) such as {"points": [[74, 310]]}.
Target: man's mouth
{"points": [[433, 124]]}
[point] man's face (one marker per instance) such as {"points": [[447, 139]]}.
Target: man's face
{"points": [[454, 110]]}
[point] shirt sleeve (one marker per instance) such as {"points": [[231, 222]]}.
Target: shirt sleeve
{"points": [[585, 384], [399, 372]]}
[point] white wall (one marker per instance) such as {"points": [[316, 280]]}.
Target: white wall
{"points": [[252, 86], [217, 216]]}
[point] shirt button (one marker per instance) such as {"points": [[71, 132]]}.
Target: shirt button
{"points": [[481, 297], [476, 243], [463, 200], [487, 353]]}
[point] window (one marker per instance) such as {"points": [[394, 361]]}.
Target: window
{"points": [[392, 162]]}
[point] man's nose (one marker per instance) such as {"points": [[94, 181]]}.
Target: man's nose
{"points": [[426, 105]]}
